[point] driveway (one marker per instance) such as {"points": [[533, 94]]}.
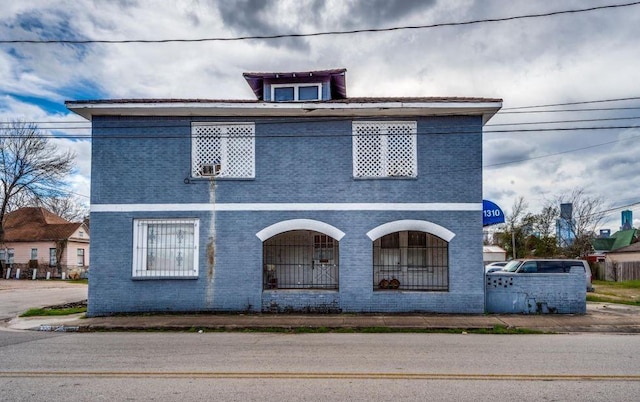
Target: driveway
{"points": [[17, 296]]}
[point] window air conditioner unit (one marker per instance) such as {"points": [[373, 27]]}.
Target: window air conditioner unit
{"points": [[211, 170]]}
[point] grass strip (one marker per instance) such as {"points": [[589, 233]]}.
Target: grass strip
{"points": [[635, 284], [605, 299], [36, 312]]}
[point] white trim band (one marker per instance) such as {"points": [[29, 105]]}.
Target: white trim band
{"points": [[254, 207]]}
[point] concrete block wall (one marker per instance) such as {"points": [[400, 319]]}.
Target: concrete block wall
{"points": [[536, 293]]}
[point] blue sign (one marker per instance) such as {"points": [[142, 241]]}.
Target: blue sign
{"points": [[491, 213]]}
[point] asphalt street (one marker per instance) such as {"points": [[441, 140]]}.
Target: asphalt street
{"points": [[161, 366]]}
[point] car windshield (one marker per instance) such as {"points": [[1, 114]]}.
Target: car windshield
{"points": [[512, 266]]}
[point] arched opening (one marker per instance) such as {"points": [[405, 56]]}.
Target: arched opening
{"points": [[300, 259], [410, 260]]}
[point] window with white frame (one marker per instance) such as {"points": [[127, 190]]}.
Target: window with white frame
{"points": [[224, 150], [296, 92], [10, 255], [384, 149], [165, 248], [52, 257], [81, 257], [34, 254]]}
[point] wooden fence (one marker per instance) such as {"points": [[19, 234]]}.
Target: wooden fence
{"points": [[621, 271]]}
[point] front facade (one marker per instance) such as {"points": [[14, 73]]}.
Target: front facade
{"points": [[303, 200]]}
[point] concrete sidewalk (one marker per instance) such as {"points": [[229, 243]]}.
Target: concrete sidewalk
{"points": [[600, 317]]}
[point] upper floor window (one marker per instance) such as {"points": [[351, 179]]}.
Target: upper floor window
{"points": [[223, 150], [296, 92], [384, 149]]}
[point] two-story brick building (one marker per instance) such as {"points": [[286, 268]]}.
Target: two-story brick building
{"points": [[300, 200]]}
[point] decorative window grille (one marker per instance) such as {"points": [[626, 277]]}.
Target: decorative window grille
{"points": [[410, 260], [300, 259], [165, 248], [385, 149], [223, 150]]}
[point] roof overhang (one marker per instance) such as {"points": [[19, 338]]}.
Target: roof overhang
{"points": [[89, 109]]}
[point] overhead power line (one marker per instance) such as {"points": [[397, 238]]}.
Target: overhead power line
{"points": [[562, 152], [572, 103], [84, 125], [60, 126], [603, 109], [320, 134], [313, 34]]}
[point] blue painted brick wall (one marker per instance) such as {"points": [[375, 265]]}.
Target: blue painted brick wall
{"points": [[148, 160]]}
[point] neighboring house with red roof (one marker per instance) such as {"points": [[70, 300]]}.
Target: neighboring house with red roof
{"points": [[35, 238]]}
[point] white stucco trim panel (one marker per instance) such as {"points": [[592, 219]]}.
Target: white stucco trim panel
{"points": [[300, 224], [486, 108], [410, 224], [218, 207]]}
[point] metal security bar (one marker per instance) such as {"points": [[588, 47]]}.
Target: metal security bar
{"points": [[165, 247], [410, 260], [301, 259]]}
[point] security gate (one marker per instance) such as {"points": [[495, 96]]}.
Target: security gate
{"points": [[300, 259]]}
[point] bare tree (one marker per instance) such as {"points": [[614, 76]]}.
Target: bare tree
{"points": [[545, 222], [30, 167], [67, 207], [586, 216]]}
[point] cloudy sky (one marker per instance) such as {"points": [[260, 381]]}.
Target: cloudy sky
{"points": [[570, 60]]}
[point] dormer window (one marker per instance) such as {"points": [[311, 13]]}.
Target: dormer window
{"points": [[296, 92]]}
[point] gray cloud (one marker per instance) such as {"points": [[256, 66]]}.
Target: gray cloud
{"points": [[261, 18], [382, 13], [507, 150]]}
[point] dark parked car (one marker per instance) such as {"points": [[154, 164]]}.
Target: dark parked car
{"points": [[533, 266]]}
